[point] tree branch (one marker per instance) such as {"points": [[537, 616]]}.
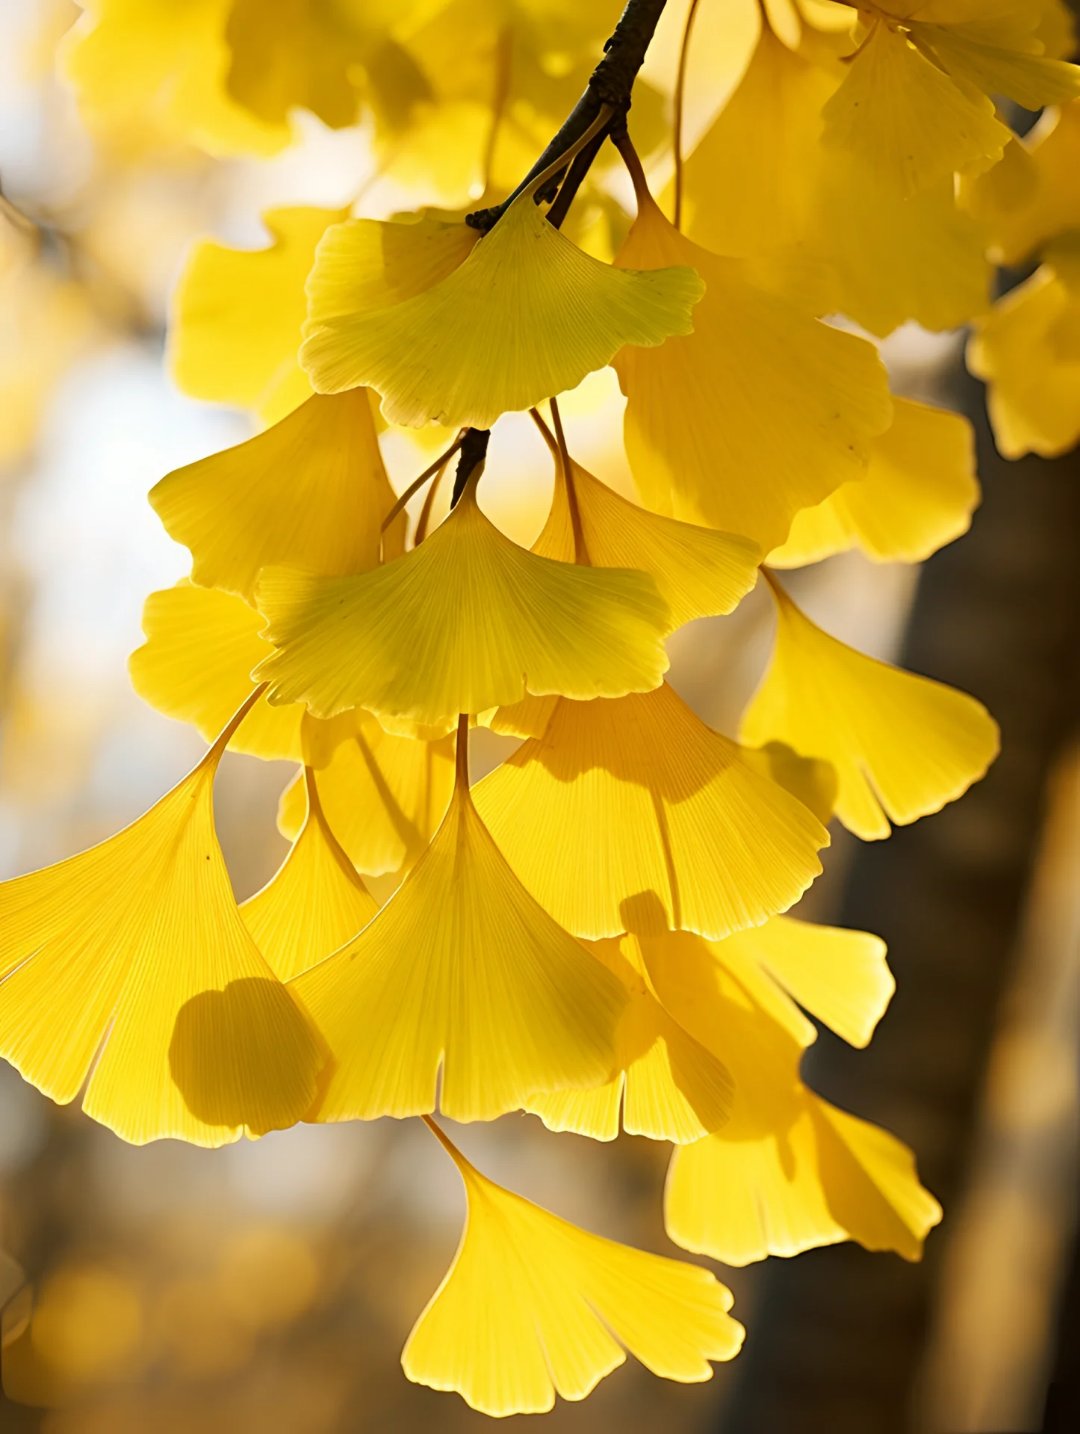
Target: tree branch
{"points": [[474, 447], [610, 84]]}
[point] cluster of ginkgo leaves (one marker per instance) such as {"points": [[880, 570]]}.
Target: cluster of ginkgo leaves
{"points": [[594, 932]]}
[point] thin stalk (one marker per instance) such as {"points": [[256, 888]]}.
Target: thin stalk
{"points": [[500, 96], [581, 554], [630, 157], [560, 162], [446, 1143], [423, 523], [461, 756], [680, 111], [227, 733], [575, 178], [429, 472]]}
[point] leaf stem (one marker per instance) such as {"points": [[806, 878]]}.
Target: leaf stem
{"points": [[609, 85], [630, 157], [595, 131], [429, 472], [423, 522], [225, 736], [461, 756], [680, 110], [581, 554]]}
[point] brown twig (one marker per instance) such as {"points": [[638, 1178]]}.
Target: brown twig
{"points": [[610, 84]]}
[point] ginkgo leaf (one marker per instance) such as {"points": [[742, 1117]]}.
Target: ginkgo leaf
{"points": [[713, 996], [732, 203], [466, 622], [760, 412], [786, 1172], [532, 1307], [697, 571], [918, 495], [838, 236], [903, 746], [382, 795], [175, 59], [817, 1177], [906, 118], [974, 53], [310, 491], [895, 258], [1029, 198], [668, 1083], [237, 314], [667, 1086], [1032, 372], [308, 57], [130, 964], [363, 264], [314, 902], [195, 665], [839, 976], [813, 782], [525, 316], [492, 994], [650, 808]]}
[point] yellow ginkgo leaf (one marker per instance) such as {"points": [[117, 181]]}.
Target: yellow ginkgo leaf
{"points": [[131, 965], [525, 316], [658, 821], [237, 315], [698, 571], [195, 665], [363, 264], [1002, 57], [174, 59], [760, 412], [838, 235], [895, 258], [812, 781], [819, 1177], [732, 204], [667, 1086], [785, 1172], [287, 57], [382, 795], [1029, 197], [839, 976], [533, 1307], [1032, 370], [904, 117], [315, 901], [460, 973], [903, 746], [917, 104], [466, 622], [310, 491], [918, 494]]}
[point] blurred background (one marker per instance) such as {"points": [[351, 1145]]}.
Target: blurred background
{"points": [[269, 1287]]}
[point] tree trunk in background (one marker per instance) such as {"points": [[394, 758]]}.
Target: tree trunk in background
{"points": [[840, 1333], [1063, 1406]]}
